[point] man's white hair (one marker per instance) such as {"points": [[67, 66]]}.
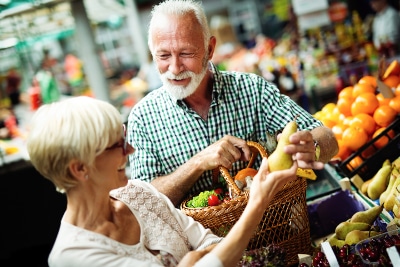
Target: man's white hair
{"points": [[180, 8]]}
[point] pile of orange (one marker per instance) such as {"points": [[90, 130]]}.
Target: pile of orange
{"points": [[362, 112]]}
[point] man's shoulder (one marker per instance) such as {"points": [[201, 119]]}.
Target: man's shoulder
{"points": [[237, 80]]}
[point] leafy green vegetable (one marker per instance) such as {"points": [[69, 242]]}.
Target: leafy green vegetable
{"points": [[200, 200]]}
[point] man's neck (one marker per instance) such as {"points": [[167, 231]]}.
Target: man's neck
{"points": [[200, 100]]}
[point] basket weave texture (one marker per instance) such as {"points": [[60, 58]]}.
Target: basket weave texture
{"points": [[285, 221]]}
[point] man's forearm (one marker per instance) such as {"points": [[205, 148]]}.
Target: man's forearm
{"points": [[177, 184]]}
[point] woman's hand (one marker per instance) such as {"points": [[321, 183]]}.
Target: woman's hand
{"points": [[266, 184]]}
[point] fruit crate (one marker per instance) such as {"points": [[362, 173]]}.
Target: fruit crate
{"points": [[379, 245], [370, 165]]}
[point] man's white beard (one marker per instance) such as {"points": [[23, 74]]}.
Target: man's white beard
{"points": [[181, 92]]}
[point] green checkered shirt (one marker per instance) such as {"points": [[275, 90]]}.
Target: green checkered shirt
{"points": [[166, 133]]}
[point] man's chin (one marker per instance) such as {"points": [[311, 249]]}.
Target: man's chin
{"points": [[179, 93]]}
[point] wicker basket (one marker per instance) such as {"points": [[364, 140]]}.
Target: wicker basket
{"points": [[285, 221]]}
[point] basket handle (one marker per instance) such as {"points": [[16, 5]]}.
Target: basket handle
{"points": [[256, 149]]}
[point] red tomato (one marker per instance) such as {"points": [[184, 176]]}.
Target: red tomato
{"points": [[213, 200]]}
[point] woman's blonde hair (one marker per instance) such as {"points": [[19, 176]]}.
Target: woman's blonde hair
{"points": [[78, 128], [180, 8]]}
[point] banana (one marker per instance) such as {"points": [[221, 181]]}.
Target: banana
{"points": [[306, 173]]}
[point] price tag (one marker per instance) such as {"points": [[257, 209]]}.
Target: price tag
{"points": [[393, 255]]}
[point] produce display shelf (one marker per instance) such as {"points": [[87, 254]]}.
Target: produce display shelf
{"points": [[370, 165]]}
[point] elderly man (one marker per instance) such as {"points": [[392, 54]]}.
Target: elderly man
{"points": [[201, 117]]}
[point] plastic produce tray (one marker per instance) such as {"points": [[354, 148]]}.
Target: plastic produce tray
{"points": [[373, 163], [360, 244]]}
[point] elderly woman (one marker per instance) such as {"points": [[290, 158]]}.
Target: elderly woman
{"points": [[79, 144]]}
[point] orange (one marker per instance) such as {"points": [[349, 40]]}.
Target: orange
{"points": [[346, 92], [371, 80], [360, 88], [392, 69], [354, 163], [364, 103], [382, 100], [354, 137], [243, 173], [384, 115], [328, 123], [364, 121], [397, 90], [347, 120], [343, 153], [338, 130], [344, 105], [342, 117], [333, 115], [392, 81], [384, 139], [395, 103], [318, 115], [328, 108]]}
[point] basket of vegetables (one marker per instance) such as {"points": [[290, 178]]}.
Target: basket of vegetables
{"points": [[285, 221]]}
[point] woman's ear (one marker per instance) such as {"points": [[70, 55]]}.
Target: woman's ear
{"points": [[78, 170]]}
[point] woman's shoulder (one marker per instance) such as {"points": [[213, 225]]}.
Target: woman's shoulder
{"points": [[136, 190]]}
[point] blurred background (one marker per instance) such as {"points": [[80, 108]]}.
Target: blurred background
{"points": [[308, 48], [55, 49]]}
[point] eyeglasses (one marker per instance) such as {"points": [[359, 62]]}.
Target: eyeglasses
{"points": [[124, 144]]}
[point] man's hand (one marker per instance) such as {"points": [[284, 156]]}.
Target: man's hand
{"points": [[224, 153], [303, 150]]}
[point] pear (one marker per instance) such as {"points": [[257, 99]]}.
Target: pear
{"points": [[343, 228], [279, 160], [396, 163], [385, 194], [334, 241], [356, 236], [367, 216], [364, 186], [386, 163], [390, 199], [379, 182]]}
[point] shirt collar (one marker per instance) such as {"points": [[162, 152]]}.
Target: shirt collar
{"points": [[217, 86]]}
